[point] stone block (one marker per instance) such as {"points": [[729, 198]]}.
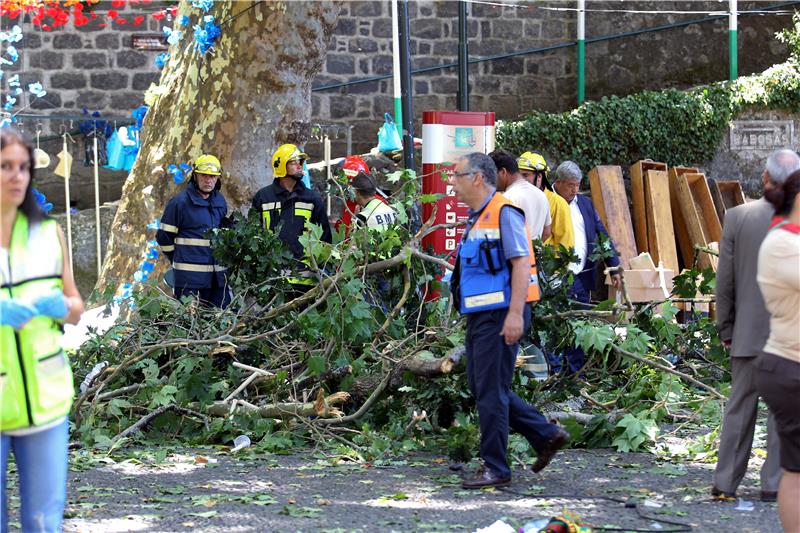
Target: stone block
{"points": [[421, 87], [92, 100], [554, 30], [533, 29], [52, 100], [481, 11], [364, 32], [488, 47], [142, 80], [369, 8], [425, 10], [67, 80], [89, 60], [363, 65], [427, 29], [362, 45], [509, 29], [68, 41], [107, 41], [109, 80], [131, 59], [446, 9], [127, 101], [445, 49], [315, 104], [551, 66], [509, 66], [340, 64], [30, 41], [486, 29], [345, 26], [342, 106], [382, 27], [444, 85], [424, 48], [46, 59], [486, 85], [382, 64]]}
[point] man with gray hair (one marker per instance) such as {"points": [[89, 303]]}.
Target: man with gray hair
{"points": [[743, 325], [494, 280], [587, 226]]}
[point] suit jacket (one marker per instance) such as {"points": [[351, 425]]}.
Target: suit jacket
{"points": [[593, 226], [742, 317]]}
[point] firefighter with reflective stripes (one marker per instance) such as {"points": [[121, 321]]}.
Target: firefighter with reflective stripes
{"points": [[493, 282], [289, 203], [373, 212], [183, 235]]}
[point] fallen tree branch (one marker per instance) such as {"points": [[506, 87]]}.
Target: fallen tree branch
{"points": [[285, 409], [149, 417]]}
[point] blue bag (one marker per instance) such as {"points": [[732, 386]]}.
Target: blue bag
{"points": [[388, 138]]}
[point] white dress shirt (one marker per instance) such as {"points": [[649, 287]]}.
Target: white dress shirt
{"points": [[580, 236]]}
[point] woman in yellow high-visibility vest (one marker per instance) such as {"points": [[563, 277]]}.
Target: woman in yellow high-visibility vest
{"points": [[37, 295]]}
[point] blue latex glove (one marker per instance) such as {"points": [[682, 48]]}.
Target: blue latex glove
{"points": [[53, 305], [15, 314]]}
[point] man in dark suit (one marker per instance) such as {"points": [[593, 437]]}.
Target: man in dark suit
{"points": [[743, 325], [587, 227]]}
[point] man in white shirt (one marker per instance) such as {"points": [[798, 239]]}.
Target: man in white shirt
{"points": [[374, 212], [531, 200]]}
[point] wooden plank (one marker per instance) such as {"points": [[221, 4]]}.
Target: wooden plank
{"points": [[611, 202], [699, 214], [660, 231], [681, 231], [726, 194], [638, 171]]}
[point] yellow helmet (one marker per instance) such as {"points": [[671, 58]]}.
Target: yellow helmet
{"points": [[533, 162], [208, 164], [284, 154]]}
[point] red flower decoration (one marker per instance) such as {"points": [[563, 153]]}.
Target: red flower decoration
{"points": [[117, 3], [121, 21], [138, 20], [113, 13], [159, 15]]}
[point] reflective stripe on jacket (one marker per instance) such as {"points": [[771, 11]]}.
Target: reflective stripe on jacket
{"points": [[183, 238], [484, 276], [35, 377], [294, 211]]}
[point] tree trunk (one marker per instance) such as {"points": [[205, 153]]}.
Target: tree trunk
{"points": [[248, 95]]}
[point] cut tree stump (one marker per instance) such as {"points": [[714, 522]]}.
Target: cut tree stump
{"points": [[611, 202]]}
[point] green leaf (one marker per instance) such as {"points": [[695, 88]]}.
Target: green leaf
{"points": [[317, 365]]}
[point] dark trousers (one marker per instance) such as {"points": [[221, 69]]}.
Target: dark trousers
{"points": [[575, 358], [490, 369], [214, 296]]}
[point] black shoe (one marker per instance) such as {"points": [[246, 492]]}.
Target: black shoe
{"points": [[485, 478], [722, 495], [546, 454], [769, 495]]}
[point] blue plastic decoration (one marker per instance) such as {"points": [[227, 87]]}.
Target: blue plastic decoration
{"points": [[10, 101], [36, 89], [179, 172], [11, 50], [14, 35], [154, 225], [205, 36], [138, 115], [42, 201], [205, 5], [13, 81], [161, 59], [172, 36], [183, 20]]}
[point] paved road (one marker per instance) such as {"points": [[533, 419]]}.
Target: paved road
{"points": [[179, 492]]}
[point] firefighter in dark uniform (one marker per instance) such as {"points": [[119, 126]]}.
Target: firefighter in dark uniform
{"points": [[183, 238], [287, 201], [493, 282]]}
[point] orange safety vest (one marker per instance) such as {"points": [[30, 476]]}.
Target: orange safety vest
{"points": [[483, 280]]}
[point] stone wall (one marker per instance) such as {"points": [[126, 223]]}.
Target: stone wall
{"points": [[96, 68]]}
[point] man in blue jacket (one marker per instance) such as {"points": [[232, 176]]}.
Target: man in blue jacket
{"points": [[587, 226], [183, 238]]}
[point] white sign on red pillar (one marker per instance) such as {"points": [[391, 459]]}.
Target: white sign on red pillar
{"points": [[446, 136]]}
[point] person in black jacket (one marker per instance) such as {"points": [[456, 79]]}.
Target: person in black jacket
{"points": [[183, 238], [289, 203]]}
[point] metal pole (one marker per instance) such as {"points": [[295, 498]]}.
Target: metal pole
{"points": [[350, 139], [463, 57], [326, 154], [581, 51], [67, 174], [733, 41], [398, 105], [97, 206], [405, 85]]}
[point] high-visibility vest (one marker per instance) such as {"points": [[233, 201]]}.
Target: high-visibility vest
{"points": [[484, 276], [35, 377]]}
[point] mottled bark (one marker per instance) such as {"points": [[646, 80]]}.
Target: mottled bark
{"points": [[240, 101]]}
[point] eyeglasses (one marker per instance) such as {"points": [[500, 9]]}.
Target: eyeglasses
{"points": [[462, 174]]}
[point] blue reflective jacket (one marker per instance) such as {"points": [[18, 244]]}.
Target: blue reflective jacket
{"points": [[183, 238]]}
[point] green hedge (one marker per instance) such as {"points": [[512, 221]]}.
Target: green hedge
{"points": [[672, 126]]}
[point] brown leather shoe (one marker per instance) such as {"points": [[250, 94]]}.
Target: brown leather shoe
{"points": [[720, 494], [546, 454], [485, 478], [769, 496]]}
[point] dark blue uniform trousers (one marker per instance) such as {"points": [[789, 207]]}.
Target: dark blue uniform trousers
{"points": [[490, 369], [214, 296], [575, 357]]}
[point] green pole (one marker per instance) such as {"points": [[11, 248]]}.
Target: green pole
{"points": [[733, 42], [398, 102], [581, 51]]}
